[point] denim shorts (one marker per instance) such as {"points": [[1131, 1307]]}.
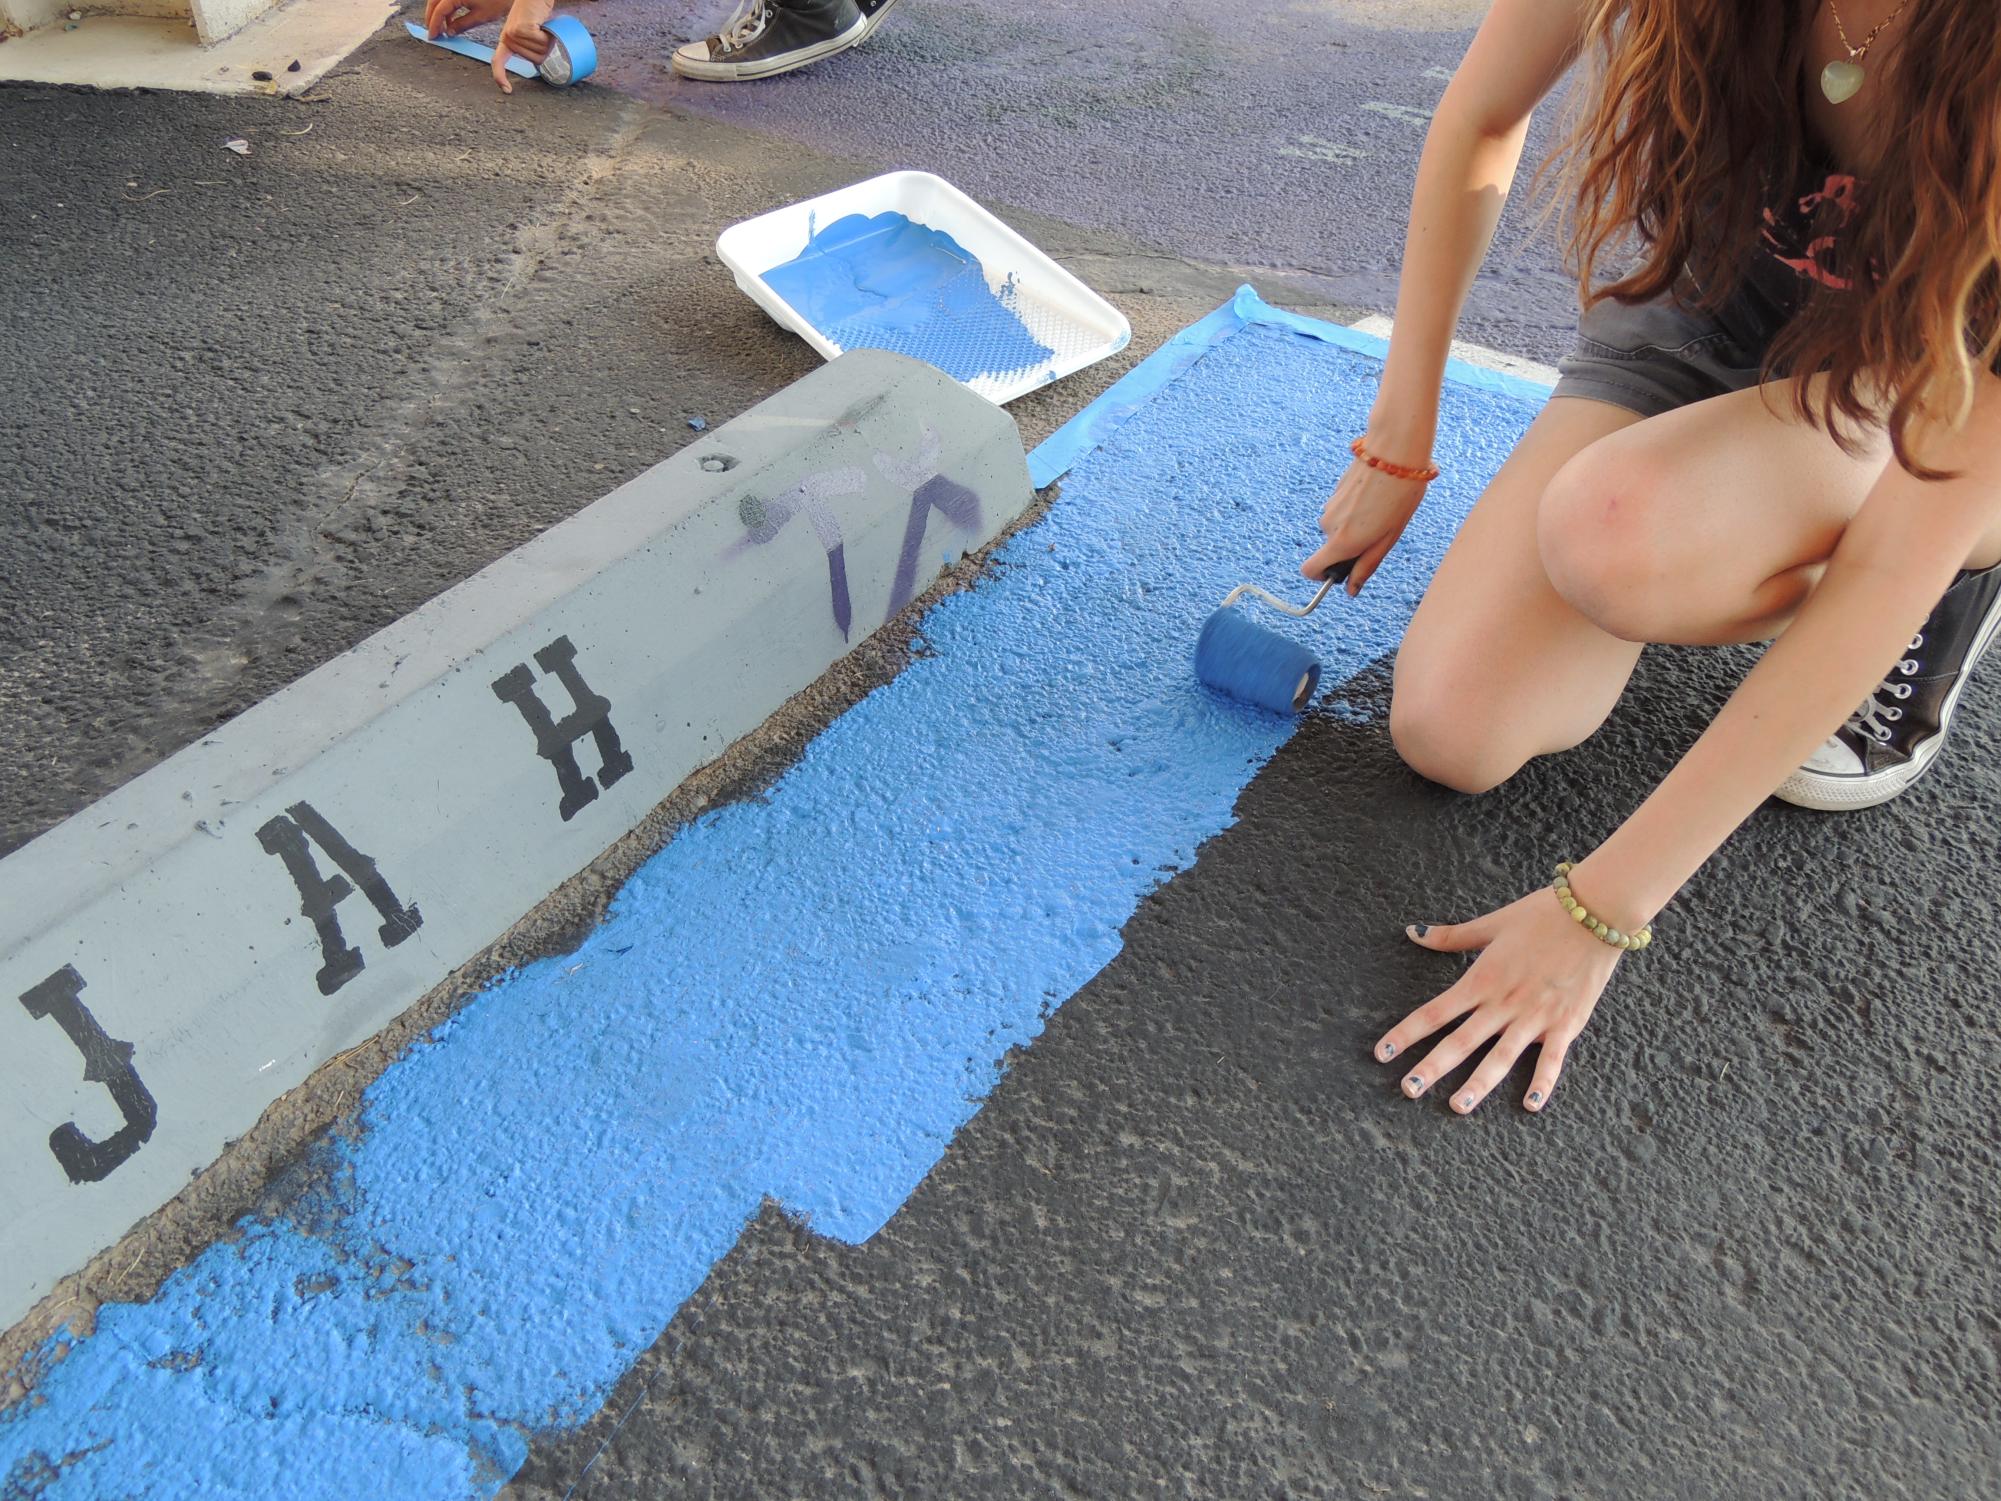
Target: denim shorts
{"points": [[1652, 357]]}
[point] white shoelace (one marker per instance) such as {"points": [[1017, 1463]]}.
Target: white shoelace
{"points": [[746, 26], [1879, 711]]}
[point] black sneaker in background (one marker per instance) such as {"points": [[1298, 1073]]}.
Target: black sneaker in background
{"points": [[873, 11], [1892, 740], [767, 37]]}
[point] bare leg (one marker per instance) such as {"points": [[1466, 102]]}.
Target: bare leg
{"points": [[1705, 525], [1492, 628]]}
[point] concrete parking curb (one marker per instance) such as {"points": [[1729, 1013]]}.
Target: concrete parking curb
{"points": [[197, 943]]}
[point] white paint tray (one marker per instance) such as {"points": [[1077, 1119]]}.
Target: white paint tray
{"points": [[1078, 325]]}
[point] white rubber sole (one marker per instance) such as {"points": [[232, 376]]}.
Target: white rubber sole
{"points": [[1834, 794], [691, 60]]}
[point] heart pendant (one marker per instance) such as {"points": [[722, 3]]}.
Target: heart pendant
{"points": [[1839, 80]]}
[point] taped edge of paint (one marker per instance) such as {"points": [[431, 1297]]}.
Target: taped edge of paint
{"points": [[572, 59], [1059, 452]]}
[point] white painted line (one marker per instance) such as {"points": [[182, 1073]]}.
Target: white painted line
{"points": [[1472, 354], [1313, 148], [1398, 112]]}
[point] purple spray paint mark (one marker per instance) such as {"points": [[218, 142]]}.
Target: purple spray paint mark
{"points": [[919, 475], [956, 503], [764, 520], [908, 474]]}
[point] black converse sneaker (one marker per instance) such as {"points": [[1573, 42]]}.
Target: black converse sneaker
{"points": [[873, 11], [1892, 740], [766, 37]]}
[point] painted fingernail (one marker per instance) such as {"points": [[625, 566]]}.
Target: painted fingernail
{"points": [[1419, 929], [1413, 1084], [1466, 1102], [1387, 1051], [1535, 1098]]}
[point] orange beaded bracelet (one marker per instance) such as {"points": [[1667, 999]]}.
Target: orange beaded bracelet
{"points": [[1426, 474]]}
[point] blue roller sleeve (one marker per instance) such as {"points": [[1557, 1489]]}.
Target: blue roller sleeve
{"points": [[1254, 665]]}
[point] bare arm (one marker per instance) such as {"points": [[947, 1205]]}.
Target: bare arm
{"points": [[1538, 975], [1894, 561], [1470, 157], [1469, 162]]}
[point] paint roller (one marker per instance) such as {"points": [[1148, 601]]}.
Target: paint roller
{"points": [[1244, 661]]}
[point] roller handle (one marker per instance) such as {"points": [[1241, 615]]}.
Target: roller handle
{"points": [[1335, 575]]}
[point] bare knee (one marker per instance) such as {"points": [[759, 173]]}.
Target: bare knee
{"points": [[1605, 548], [1444, 735]]}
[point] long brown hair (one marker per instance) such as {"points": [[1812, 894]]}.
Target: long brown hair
{"points": [[1690, 119]]}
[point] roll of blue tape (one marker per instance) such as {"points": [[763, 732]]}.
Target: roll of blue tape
{"points": [[572, 58]]}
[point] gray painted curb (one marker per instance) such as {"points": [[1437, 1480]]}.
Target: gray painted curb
{"points": [[192, 946]]}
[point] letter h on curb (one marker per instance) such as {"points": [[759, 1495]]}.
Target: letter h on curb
{"points": [[555, 739]]}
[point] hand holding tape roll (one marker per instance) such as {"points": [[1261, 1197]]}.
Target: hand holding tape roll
{"points": [[533, 43]]}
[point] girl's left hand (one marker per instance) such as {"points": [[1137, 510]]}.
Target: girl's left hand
{"points": [[450, 17], [1536, 981]]}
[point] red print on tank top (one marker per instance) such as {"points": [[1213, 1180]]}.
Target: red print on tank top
{"points": [[1788, 241]]}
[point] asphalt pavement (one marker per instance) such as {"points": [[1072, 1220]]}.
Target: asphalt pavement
{"points": [[1198, 1244]]}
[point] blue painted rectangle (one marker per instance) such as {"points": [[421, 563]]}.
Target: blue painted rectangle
{"points": [[801, 998], [1091, 427]]}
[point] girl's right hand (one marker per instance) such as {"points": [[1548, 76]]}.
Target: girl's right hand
{"points": [[1362, 520]]}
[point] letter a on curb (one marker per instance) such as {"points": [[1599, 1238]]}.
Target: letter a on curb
{"points": [[286, 837], [106, 1061], [555, 739]]}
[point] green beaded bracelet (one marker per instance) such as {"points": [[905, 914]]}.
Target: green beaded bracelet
{"points": [[1631, 942]]}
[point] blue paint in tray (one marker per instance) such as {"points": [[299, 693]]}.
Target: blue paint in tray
{"points": [[801, 998], [886, 282]]}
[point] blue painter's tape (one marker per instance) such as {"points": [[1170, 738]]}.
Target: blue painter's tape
{"points": [[1057, 453], [574, 58], [577, 52], [801, 998], [520, 67], [1054, 456]]}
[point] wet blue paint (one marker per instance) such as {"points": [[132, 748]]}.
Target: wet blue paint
{"points": [[885, 282], [801, 998]]}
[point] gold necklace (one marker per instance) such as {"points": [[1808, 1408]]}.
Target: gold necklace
{"points": [[1841, 78]]}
